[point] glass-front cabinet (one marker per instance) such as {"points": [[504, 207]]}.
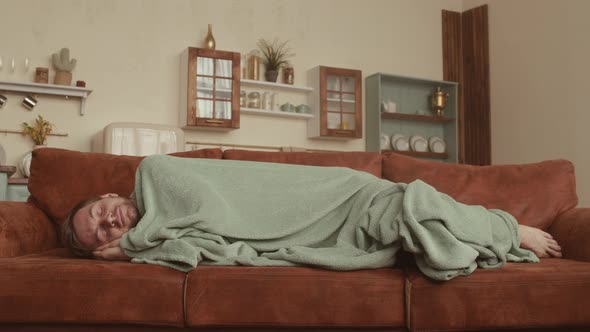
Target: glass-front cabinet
{"points": [[337, 103], [210, 85]]}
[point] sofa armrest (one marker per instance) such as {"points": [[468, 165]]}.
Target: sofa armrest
{"points": [[572, 231], [24, 229]]}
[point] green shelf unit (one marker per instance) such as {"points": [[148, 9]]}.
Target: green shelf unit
{"points": [[414, 114]]}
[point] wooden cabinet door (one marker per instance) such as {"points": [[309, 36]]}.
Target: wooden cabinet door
{"points": [[213, 89], [340, 103]]}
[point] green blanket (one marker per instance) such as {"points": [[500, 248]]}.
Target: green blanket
{"points": [[227, 212]]}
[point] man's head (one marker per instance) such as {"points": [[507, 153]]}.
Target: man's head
{"points": [[98, 221]]}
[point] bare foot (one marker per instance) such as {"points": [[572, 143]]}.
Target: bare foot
{"points": [[539, 242]]}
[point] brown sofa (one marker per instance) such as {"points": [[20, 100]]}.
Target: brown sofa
{"points": [[43, 288]]}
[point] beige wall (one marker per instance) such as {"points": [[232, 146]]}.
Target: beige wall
{"points": [[128, 52], [539, 51]]}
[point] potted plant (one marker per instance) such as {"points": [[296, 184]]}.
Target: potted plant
{"points": [[275, 55], [39, 131]]}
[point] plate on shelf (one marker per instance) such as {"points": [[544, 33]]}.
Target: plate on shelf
{"points": [[385, 142], [418, 143], [436, 144], [2, 155], [400, 142]]}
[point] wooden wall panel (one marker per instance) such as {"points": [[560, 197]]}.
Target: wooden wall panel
{"points": [[453, 66], [469, 47]]}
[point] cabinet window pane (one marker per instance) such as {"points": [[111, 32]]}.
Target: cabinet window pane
{"points": [[204, 108], [334, 120], [348, 83], [204, 87], [223, 88], [348, 121], [333, 96], [223, 110], [223, 68], [348, 107], [333, 106], [348, 97], [333, 83], [204, 66]]}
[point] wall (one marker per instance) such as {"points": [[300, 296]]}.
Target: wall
{"points": [[128, 52], [539, 51]]}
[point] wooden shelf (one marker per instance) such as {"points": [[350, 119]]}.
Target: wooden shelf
{"points": [[275, 113], [281, 86], [48, 89], [416, 117], [18, 181], [420, 154]]}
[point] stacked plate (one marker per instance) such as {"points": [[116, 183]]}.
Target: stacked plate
{"points": [[385, 142], [400, 142], [418, 143], [436, 144]]}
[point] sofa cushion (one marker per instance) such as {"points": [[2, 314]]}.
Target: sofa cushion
{"points": [[294, 296], [533, 193], [369, 162], [53, 287], [549, 294], [62, 178]]}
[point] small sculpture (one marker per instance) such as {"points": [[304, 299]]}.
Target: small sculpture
{"points": [[63, 66]]}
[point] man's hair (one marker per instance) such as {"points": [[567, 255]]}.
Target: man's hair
{"points": [[68, 233]]}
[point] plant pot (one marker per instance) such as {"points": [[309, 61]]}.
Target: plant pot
{"points": [[271, 75], [63, 78]]}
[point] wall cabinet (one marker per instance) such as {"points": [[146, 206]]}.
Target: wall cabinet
{"points": [[413, 115], [210, 89], [336, 102]]}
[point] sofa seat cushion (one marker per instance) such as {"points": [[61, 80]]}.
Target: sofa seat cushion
{"points": [[549, 294], [61, 178], [369, 162], [54, 287], [294, 297], [535, 194]]}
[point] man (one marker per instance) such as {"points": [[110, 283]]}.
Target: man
{"points": [[247, 213]]}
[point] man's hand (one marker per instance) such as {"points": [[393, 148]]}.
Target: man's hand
{"points": [[111, 251]]}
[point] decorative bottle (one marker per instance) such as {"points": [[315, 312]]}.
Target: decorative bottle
{"points": [[209, 40]]}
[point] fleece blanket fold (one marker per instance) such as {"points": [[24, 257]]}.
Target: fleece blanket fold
{"points": [[227, 212]]}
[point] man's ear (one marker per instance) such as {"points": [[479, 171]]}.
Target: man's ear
{"points": [[109, 195]]}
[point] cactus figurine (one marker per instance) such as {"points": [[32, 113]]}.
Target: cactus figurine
{"points": [[63, 66]]}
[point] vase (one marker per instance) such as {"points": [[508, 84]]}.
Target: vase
{"points": [[209, 40], [271, 75], [63, 78], [25, 164]]}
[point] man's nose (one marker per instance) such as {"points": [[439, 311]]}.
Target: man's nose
{"points": [[111, 219]]}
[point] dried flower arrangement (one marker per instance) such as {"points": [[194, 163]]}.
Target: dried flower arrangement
{"points": [[39, 131]]}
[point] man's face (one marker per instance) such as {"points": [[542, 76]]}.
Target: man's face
{"points": [[105, 220]]}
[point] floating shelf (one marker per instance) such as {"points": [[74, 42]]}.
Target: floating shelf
{"points": [[276, 85], [415, 117], [420, 154], [275, 113], [48, 89]]}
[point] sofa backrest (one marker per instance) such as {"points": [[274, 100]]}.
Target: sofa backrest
{"points": [[62, 178], [533, 193], [369, 162]]}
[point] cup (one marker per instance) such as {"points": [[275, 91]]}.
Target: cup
{"points": [[29, 102], [3, 100], [287, 107], [303, 109]]}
